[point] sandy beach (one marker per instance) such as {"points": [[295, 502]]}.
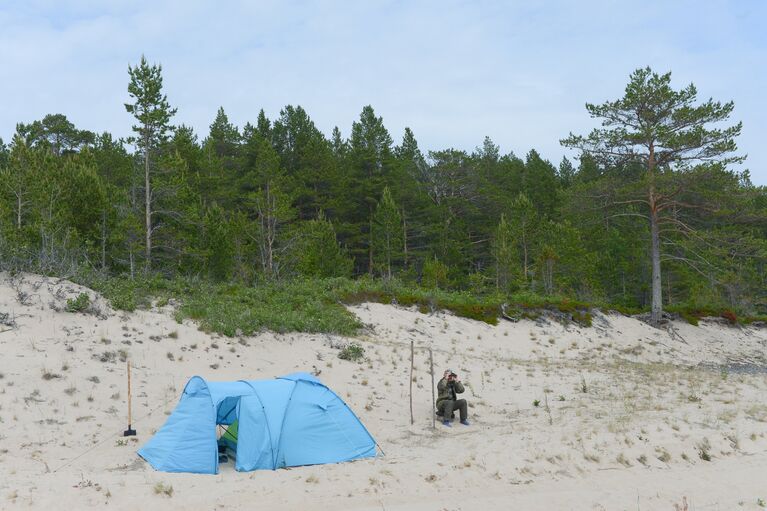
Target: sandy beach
{"points": [[615, 416]]}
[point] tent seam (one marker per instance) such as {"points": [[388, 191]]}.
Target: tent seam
{"points": [[266, 420]]}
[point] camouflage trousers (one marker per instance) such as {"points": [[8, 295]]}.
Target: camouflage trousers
{"points": [[447, 406]]}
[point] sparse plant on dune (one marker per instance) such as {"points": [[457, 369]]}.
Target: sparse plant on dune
{"points": [[163, 489]]}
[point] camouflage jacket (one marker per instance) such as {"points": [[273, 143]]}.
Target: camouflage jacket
{"points": [[444, 391]]}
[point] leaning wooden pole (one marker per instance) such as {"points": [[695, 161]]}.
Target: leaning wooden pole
{"points": [[412, 350], [130, 431], [433, 401]]}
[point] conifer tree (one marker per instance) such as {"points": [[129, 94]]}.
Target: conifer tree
{"points": [[152, 111], [504, 255], [387, 233], [666, 132], [371, 159]]}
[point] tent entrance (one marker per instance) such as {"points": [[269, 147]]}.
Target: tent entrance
{"points": [[227, 421]]}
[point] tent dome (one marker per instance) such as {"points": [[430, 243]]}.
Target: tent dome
{"points": [[288, 421]]}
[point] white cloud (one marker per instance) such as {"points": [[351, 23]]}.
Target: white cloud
{"points": [[519, 72]]}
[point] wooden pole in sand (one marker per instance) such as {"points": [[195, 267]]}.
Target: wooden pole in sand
{"points": [[412, 349], [433, 402], [130, 431]]}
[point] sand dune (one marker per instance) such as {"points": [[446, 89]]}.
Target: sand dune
{"points": [[627, 416]]}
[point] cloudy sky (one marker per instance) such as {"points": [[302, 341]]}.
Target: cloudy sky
{"points": [[517, 71]]}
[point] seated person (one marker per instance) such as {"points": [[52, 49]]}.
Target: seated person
{"points": [[448, 388]]}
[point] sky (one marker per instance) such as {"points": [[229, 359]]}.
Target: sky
{"points": [[519, 72]]}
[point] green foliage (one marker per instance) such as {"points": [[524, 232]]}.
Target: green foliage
{"points": [[233, 309], [693, 313], [434, 273], [318, 253], [79, 304], [504, 255], [387, 233], [666, 156], [463, 304], [352, 352], [278, 201], [218, 244], [150, 106]]}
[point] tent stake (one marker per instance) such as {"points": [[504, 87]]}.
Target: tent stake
{"points": [[433, 402], [130, 431], [412, 420]]}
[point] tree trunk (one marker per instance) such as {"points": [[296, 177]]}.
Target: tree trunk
{"points": [[524, 251], [18, 212], [657, 289], [103, 241], [370, 240], [404, 238], [147, 208], [656, 307]]}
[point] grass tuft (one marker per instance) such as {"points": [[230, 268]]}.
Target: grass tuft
{"points": [[163, 489]]}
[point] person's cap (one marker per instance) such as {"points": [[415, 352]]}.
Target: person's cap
{"points": [[449, 371]]}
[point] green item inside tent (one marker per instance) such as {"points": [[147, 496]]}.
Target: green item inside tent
{"points": [[229, 438]]}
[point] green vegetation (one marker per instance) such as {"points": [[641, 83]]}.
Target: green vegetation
{"points": [[275, 224], [353, 352], [163, 489], [316, 305], [79, 304], [694, 313], [304, 305]]}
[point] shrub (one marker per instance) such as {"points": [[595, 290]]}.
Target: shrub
{"points": [[730, 316], [79, 304], [353, 352], [581, 317]]}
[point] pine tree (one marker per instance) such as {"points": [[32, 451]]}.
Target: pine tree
{"points": [[18, 179], [221, 172], [218, 244], [410, 193], [371, 160], [387, 233], [56, 133], [540, 184], [151, 109], [666, 132], [523, 224], [264, 126], [318, 252], [566, 172], [504, 255]]}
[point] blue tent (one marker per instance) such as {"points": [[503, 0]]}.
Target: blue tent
{"points": [[289, 421]]}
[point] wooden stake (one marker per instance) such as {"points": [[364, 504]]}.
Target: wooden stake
{"points": [[412, 349], [130, 431], [433, 401]]}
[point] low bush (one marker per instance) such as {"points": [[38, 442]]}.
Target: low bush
{"points": [[79, 304], [353, 352], [316, 305]]}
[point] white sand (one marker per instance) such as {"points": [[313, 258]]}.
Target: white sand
{"points": [[633, 440]]}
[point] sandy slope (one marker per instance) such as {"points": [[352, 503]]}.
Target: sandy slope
{"points": [[636, 437]]}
